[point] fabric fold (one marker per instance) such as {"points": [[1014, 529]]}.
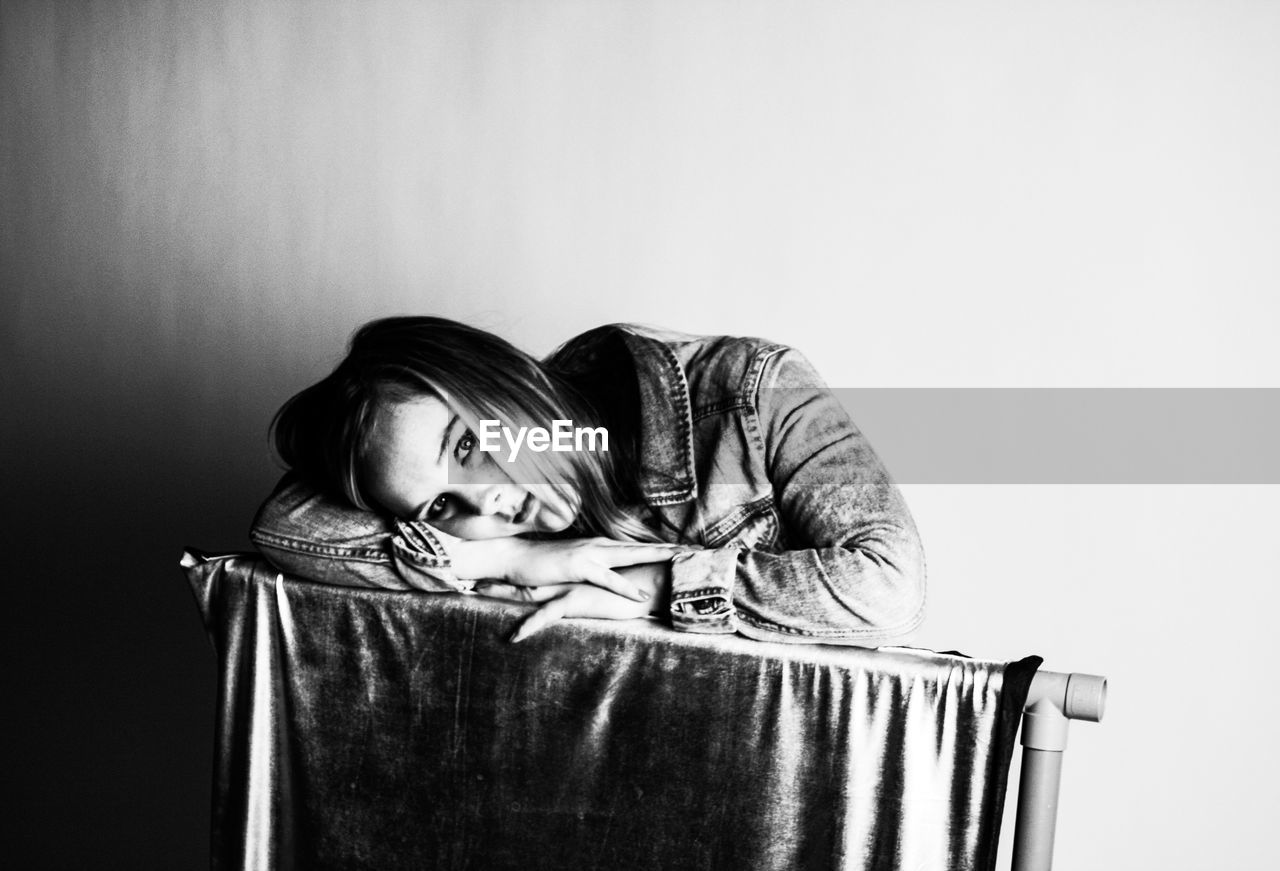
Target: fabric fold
{"points": [[381, 729]]}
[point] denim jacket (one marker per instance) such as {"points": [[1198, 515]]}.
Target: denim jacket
{"points": [[743, 452]]}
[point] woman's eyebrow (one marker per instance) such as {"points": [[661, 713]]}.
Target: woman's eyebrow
{"points": [[444, 440]]}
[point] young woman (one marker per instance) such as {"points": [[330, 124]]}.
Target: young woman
{"points": [[713, 481]]}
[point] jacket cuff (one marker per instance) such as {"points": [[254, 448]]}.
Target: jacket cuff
{"points": [[702, 590], [421, 553]]}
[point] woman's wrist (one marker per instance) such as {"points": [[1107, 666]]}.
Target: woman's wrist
{"points": [[662, 593], [482, 559], [654, 579]]}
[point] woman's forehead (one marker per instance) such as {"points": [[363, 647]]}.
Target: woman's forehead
{"points": [[412, 431], [402, 464]]}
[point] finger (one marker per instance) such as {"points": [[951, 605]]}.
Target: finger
{"points": [[618, 542], [495, 590], [540, 619], [610, 580], [629, 555], [516, 593]]}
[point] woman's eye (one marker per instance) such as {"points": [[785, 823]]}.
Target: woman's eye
{"points": [[438, 506], [467, 443]]}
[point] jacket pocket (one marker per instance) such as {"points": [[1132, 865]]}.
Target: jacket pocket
{"points": [[753, 525]]}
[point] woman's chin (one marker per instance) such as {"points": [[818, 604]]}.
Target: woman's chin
{"points": [[475, 532], [551, 513], [548, 521]]}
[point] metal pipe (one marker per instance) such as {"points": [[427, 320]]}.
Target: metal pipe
{"points": [[1052, 701], [1077, 696]]}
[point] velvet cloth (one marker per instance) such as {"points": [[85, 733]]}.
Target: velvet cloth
{"points": [[380, 729]]}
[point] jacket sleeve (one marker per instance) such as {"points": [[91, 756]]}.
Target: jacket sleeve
{"points": [[850, 568], [305, 533]]}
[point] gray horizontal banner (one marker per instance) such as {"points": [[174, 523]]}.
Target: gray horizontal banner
{"points": [[1071, 435]]}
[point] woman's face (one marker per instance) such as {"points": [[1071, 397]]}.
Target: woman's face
{"points": [[426, 464]]}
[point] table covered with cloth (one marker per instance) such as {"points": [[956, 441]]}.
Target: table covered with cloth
{"points": [[376, 729]]}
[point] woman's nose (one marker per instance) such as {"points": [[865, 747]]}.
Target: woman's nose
{"points": [[489, 501]]}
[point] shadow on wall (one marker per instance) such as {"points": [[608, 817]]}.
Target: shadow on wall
{"points": [[116, 681]]}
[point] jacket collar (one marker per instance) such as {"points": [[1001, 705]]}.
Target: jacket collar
{"points": [[667, 474], [664, 449]]}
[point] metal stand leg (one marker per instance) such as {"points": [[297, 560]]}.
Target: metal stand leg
{"points": [[1054, 700], [1037, 809]]}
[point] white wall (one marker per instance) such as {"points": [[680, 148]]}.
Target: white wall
{"points": [[202, 199]]}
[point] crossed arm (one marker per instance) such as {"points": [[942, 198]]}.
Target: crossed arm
{"points": [[853, 573], [306, 533]]}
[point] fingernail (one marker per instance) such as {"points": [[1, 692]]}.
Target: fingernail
{"points": [[644, 596], [516, 637]]}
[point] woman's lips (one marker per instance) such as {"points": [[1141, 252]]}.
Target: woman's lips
{"points": [[526, 508]]}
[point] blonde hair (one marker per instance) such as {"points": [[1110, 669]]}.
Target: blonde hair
{"points": [[325, 432]]}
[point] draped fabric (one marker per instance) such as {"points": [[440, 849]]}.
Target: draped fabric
{"points": [[376, 729]]}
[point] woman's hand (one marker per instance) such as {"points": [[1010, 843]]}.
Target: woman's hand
{"points": [[562, 564], [586, 600]]}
